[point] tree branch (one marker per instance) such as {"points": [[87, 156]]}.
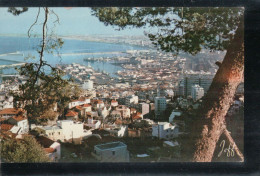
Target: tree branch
{"points": [[36, 20], [42, 47]]}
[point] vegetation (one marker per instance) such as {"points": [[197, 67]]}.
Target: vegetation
{"points": [[45, 86], [142, 124], [22, 150]]}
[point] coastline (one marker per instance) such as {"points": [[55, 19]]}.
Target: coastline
{"points": [[90, 38]]}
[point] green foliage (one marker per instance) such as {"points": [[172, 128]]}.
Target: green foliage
{"points": [[22, 151], [17, 11], [141, 124], [37, 97], [178, 29], [44, 86]]}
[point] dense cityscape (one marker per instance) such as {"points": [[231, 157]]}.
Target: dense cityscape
{"points": [[140, 114]]}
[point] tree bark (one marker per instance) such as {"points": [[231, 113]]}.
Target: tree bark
{"points": [[211, 121]]}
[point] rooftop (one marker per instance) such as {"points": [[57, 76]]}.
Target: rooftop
{"points": [[110, 145], [51, 128], [19, 118], [71, 114], [6, 127], [10, 111], [44, 141]]}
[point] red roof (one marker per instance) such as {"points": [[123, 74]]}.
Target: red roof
{"points": [[19, 118], [11, 111], [49, 150], [139, 113], [6, 127], [137, 116], [113, 101], [82, 99], [1, 120], [133, 109], [86, 105], [71, 114], [79, 108], [89, 113], [100, 102]]}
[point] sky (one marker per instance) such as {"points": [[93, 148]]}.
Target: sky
{"points": [[73, 21]]}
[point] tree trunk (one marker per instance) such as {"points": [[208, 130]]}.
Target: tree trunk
{"points": [[217, 101]]}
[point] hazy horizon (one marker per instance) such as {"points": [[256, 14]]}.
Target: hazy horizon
{"points": [[73, 21]]}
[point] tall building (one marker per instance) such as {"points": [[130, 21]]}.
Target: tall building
{"points": [[197, 92], [204, 80], [160, 106], [159, 103]]}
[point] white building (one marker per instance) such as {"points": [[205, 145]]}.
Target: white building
{"points": [[197, 92], [144, 108], [160, 106], [173, 115], [21, 122], [66, 131], [111, 152], [79, 102], [94, 124], [6, 101], [118, 132], [114, 103], [165, 130], [132, 99], [71, 129], [51, 147], [124, 111], [104, 112]]}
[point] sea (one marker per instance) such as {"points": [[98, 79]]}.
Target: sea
{"points": [[17, 49]]}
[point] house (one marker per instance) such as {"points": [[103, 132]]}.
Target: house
{"points": [[53, 132], [72, 115], [80, 111], [9, 112], [137, 116], [94, 124], [6, 127], [118, 132], [6, 101], [103, 112], [100, 104], [114, 103], [131, 99], [65, 131], [87, 108], [79, 102], [125, 111], [6, 104], [111, 152], [51, 147], [21, 122], [133, 110], [143, 108], [165, 130], [72, 131], [11, 130], [115, 114]]}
